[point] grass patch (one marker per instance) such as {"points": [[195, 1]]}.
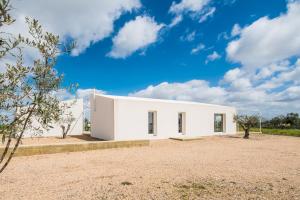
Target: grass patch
{"points": [[287, 132], [191, 190]]}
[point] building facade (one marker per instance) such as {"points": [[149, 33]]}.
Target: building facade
{"points": [[132, 118]]}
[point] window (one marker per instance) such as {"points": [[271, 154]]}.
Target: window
{"points": [[181, 122], [219, 123], [152, 122]]}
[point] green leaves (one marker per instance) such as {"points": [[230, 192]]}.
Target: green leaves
{"points": [[5, 17], [27, 92]]}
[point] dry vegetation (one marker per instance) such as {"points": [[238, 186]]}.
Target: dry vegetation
{"points": [[263, 167]]}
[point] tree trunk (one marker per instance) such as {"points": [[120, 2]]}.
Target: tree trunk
{"points": [[246, 136], [17, 143], [6, 149], [65, 131]]}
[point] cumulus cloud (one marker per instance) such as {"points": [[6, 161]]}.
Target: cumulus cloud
{"points": [[85, 22], [232, 75], [194, 90], [208, 14], [236, 30], [291, 94], [251, 100], [237, 80], [212, 57], [186, 6], [267, 41], [135, 35], [189, 36], [176, 20], [196, 9], [272, 92], [197, 49], [288, 75], [268, 79], [200, 91]]}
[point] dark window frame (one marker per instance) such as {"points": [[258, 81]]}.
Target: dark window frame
{"points": [[152, 122], [181, 122], [219, 126]]}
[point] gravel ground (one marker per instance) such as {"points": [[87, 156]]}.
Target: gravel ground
{"points": [[263, 167], [54, 140]]}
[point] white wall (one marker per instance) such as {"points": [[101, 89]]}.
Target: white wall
{"points": [[122, 118], [132, 119], [102, 117], [76, 127]]}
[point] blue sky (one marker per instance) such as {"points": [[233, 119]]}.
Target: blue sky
{"points": [[243, 53], [169, 59]]}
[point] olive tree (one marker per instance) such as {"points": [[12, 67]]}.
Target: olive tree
{"points": [[246, 122], [66, 121], [27, 91], [87, 124]]}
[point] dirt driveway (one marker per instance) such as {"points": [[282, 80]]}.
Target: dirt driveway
{"points": [[264, 167]]}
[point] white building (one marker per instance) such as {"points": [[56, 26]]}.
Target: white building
{"points": [[132, 118], [76, 108]]}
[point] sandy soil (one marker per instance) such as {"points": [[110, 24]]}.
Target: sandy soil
{"points": [[264, 167]]}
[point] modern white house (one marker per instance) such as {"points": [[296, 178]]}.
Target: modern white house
{"points": [[74, 107], [133, 118]]}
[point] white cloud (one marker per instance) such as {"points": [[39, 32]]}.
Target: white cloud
{"points": [[197, 48], [186, 6], [135, 35], [291, 94], [272, 88], [268, 40], [271, 69], [237, 80], [250, 100], [289, 75], [208, 14], [63, 94], [196, 9], [85, 22], [268, 80], [176, 20], [223, 35], [194, 90], [276, 92], [212, 57], [232, 75], [236, 30], [190, 36]]}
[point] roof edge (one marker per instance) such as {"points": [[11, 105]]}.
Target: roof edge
{"points": [[115, 97]]}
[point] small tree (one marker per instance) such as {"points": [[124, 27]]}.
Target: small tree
{"points": [[66, 123], [87, 124], [246, 122], [292, 119], [27, 92], [66, 119]]}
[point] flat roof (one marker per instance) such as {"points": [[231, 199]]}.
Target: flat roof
{"points": [[159, 100]]}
